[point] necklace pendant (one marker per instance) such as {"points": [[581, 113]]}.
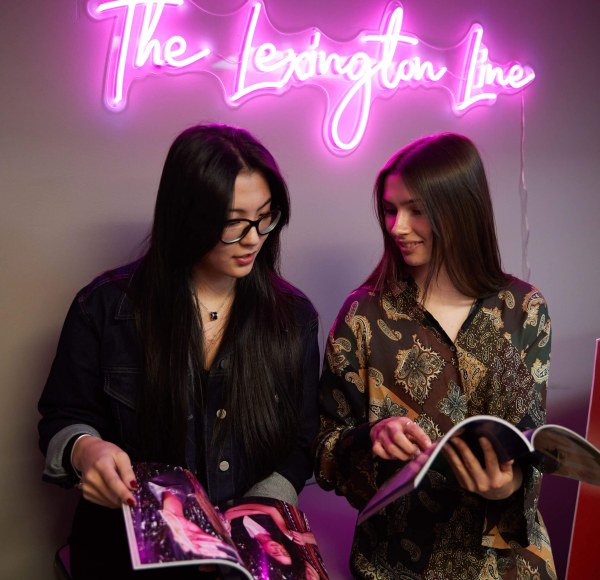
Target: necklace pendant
{"points": [[213, 315]]}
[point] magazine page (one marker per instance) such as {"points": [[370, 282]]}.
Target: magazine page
{"points": [[274, 539], [560, 451], [508, 442], [173, 522]]}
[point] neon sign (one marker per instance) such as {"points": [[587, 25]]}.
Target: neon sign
{"points": [[251, 58]]}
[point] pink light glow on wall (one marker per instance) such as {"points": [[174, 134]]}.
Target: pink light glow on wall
{"points": [[251, 58]]}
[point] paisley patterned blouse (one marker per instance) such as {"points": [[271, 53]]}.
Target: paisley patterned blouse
{"points": [[386, 356]]}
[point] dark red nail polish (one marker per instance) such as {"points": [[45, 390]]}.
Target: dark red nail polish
{"points": [[130, 502], [133, 484]]}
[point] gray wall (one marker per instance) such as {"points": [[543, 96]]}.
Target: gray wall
{"points": [[78, 185]]}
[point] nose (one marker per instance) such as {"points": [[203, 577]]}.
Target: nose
{"points": [[252, 238], [401, 225]]}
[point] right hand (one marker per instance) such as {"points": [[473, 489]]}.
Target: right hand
{"points": [[107, 476], [398, 438]]}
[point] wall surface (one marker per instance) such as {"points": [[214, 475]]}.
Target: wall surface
{"points": [[77, 187]]}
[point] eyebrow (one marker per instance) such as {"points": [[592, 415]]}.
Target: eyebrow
{"points": [[243, 211], [402, 203]]}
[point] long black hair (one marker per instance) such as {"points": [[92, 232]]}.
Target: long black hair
{"points": [[194, 196], [445, 172]]}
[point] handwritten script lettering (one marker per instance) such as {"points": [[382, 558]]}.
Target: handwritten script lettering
{"points": [[375, 63]]}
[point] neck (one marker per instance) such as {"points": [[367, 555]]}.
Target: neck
{"points": [[212, 287], [441, 288]]}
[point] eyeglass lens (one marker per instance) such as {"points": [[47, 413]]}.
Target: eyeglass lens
{"points": [[235, 230]]}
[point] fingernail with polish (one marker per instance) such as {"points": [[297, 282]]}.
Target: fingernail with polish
{"points": [[133, 484], [130, 502]]}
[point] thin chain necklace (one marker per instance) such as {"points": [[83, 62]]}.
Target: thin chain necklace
{"points": [[214, 314]]}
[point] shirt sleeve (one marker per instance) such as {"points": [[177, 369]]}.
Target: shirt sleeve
{"points": [[344, 460], [517, 518]]}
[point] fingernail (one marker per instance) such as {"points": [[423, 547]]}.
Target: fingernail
{"points": [[130, 502], [133, 484]]}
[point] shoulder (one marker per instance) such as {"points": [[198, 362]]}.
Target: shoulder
{"points": [[300, 301], [110, 289], [521, 294], [364, 301]]}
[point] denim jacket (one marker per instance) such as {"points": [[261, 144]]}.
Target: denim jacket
{"points": [[95, 375]]}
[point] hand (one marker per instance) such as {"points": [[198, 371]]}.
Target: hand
{"points": [[494, 481], [106, 474], [398, 438]]}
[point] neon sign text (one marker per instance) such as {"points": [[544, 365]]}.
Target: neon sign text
{"points": [[353, 74]]}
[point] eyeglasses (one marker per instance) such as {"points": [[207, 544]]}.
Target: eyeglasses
{"points": [[235, 230]]}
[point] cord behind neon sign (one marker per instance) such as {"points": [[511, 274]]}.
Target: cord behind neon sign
{"points": [[251, 58]]}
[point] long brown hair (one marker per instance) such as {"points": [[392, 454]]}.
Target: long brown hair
{"points": [[445, 172]]}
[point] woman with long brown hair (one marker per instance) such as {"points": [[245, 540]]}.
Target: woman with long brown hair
{"points": [[437, 333]]}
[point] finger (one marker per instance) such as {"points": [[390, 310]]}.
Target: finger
{"points": [[395, 436], [458, 469], [125, 470], [386, 449], [379, 450], [489, 455], [397, 445], [417, 435], [389, 441], [471, 463], [111, 485]]}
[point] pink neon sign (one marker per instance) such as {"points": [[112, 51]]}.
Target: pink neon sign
{"points": [[250, 57]]}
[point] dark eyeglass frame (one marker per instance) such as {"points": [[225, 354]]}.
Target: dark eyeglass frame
{"points": [[275, 216]]}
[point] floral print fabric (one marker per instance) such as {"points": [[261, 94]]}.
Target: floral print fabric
{"points": [[386, 356]]}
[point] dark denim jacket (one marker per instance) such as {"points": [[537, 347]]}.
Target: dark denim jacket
{"points": [[96, 372]]}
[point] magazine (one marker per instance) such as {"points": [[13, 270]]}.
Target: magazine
{"points": [[173, 523], [551, 448]]}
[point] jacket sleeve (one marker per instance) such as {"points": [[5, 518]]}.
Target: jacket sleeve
{"points": [[298, 466], [71, 402]]}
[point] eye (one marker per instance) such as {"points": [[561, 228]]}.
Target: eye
{"points": [[389, 210]]}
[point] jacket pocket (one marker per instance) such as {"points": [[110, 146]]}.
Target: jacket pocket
{"points": [[120, 386]]}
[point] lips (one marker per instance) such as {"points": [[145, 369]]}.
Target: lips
{"points": [[406, 245], [245, 259]]}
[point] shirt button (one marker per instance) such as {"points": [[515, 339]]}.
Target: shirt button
{"points": [[224, 465], [221, 413]]}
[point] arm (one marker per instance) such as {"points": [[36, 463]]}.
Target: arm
{"points": [[354, 456], [515, 518], [71, 404], [297, 467]]}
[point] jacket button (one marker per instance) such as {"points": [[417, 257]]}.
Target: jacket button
{"points": [[224, 465], [223, 363], [221, 413]]}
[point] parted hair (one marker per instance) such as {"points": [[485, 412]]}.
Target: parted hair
{"points": [[446, 173], [194, 196]]}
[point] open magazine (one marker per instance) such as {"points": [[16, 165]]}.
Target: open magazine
{"points": [[173, 523], [551, 448]]}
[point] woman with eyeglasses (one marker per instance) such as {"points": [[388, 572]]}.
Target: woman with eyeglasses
{"points": [[199, 354], [437, 333]]}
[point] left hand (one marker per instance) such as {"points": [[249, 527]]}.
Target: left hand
{"points": [[493, 481]]}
